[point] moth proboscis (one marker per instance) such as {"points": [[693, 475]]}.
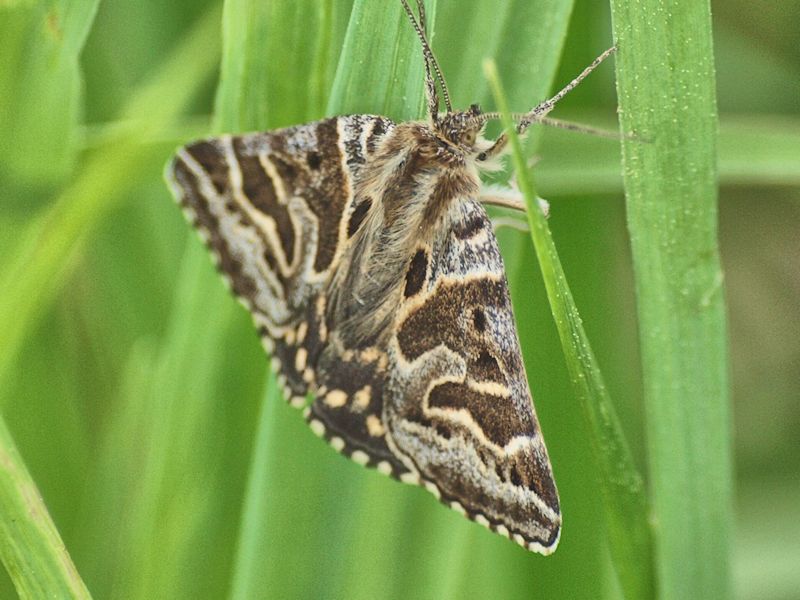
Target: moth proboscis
{"points": [[362, 250]]}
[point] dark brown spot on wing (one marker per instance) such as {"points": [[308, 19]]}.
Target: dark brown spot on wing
{"points": [[358, 215], [378, 131], [485, 368], [479, 319], [471, 227], [314, 160], [444, 317], [415, 276]]}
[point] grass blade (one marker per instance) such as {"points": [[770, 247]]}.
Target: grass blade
{"points": [[40, 87], [41, 260], [380, 74], [260, 89], [263, 85], [665, 75], [30, 547], [621, 486]]}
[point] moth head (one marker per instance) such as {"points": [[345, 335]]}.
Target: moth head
{"points": [[461, 129]]}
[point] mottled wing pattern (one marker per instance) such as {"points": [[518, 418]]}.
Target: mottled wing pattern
{"points": [[457, 405], [274, 209], [442, 400], [348, 411]]}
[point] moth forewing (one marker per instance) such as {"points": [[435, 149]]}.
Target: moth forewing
{"points": [[373, 275]]}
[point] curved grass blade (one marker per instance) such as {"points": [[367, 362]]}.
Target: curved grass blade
{"points": [[30, 547], [621, 486]]}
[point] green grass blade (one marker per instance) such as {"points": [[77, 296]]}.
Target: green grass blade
{"points": [[40, 87], [30, 547], [263, 88], [323, 499], [380, 74], [527, 38], [168, 520], [621, 486], [41, 260], [265, 82], [665, 75], [249, 574]]}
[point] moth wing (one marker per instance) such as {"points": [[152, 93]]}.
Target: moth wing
{"points": [[457, 404], [348, 410], [273, 209]]}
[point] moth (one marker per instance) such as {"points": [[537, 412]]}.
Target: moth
{"points": [[362, 249]]}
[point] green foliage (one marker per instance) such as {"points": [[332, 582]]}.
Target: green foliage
{"points": [[667, 97], [40, 99], [30, 546], [134, 387]]}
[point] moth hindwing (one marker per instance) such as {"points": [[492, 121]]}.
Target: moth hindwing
{"points": [[362, 251]]}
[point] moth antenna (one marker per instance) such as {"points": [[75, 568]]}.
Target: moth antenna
{"points": [[539, 112], [568, 125], [580, 128], [431, 64], [432, 57], [421, 15]]}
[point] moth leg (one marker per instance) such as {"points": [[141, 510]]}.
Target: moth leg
{"points": [[509, 197], [515, 223]]}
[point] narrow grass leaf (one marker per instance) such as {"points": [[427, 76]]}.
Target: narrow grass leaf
{"points": [[30, 547], [40, 87], [41, 261], [621, 486], [324, 498], [380, 74], [169, 519], [269, 50], [526, 38], [665, 79]]}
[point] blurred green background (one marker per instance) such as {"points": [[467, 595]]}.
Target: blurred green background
{"points": [[133, 384]]}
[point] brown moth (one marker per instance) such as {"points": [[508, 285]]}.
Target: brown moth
{"points": [[363, 252]]}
